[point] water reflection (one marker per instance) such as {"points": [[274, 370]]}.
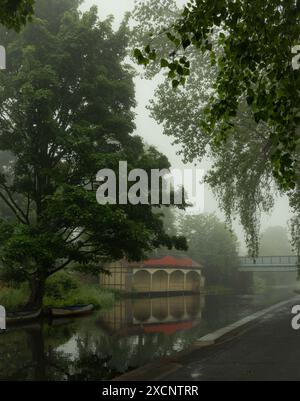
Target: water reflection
{"points": [[161, 315], [105, 344], [99, 347]]}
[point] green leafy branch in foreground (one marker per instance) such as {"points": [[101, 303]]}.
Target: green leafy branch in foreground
{"points": [[255, 40], [15, 13], [246, 173]]}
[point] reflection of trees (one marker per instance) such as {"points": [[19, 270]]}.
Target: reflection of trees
{"points": [[92, 362], [40, 357], [80, 349], [36, 353], [136, 350], [35, 339], [14, 355], [28, 353]]}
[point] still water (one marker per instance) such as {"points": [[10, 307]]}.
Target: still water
{"points": [[132, 333]]}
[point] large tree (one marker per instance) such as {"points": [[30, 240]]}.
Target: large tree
{"points": [[236, 99], [66, 111]]}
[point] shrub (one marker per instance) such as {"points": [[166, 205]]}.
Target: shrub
{"points": [[83, 295], [61, 284], [62, 289], [14, 298]]}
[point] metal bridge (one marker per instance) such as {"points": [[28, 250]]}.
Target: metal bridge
{"points": [[269, 264]]}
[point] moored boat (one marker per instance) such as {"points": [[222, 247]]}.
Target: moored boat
{"points": [[20, 317], [79, 310]]}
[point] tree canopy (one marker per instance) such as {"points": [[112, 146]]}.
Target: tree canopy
{"points": [[236, 97], [66, 111], [251, 45]]}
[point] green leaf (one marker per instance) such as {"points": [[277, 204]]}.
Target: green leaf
{"points": [[137, 53], [186, 43], [175, 83], [164, 63]]}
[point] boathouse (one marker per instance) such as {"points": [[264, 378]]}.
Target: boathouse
{"points": [[158, 275]]}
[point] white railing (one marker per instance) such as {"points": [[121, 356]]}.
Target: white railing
{"points": [[269, 261]]}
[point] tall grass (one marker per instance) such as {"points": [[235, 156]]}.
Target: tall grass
{"points": [[14, 298], [83, 295], [62, 289]]}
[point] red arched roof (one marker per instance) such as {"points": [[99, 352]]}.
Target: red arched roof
{"points": [[172, 262]]}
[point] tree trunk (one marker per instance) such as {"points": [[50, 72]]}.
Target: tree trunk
{"points": [[37, 291]]}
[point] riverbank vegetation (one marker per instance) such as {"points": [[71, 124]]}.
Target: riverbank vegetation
{"points": [[62, 289]]}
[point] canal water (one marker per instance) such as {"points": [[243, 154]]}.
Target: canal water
{"points": [[132, 333]]}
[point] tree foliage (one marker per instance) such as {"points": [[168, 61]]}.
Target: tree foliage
{"points": [[237, 104], [15, 13], [214, 246], [253, 58], [66, 111]]}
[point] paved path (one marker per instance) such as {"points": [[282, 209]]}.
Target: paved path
{"points": [[268, 350]]}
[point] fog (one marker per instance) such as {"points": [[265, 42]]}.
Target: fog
{"points": [[152, 133]]}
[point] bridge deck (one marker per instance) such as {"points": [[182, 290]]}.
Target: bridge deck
{"points": [[269, 264]]}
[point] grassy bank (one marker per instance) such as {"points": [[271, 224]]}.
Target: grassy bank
{"points": [[63, 289]]}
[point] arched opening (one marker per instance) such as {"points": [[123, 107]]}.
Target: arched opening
{"points": [[142, 309], [177, 281], [160, 309], [177, 307], [160, 281], [193, 281], [142, 281]]}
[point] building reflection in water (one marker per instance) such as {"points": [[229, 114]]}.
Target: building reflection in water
{"points": [[153, 315]]}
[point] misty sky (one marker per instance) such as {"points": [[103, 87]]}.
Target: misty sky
{"points": [[151, 132]]}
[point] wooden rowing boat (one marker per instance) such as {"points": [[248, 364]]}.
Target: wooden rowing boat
{"points": [[20, 317], [72, 311]]}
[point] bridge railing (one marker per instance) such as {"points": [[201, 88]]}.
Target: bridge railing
{"points": [[269, 261]]}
